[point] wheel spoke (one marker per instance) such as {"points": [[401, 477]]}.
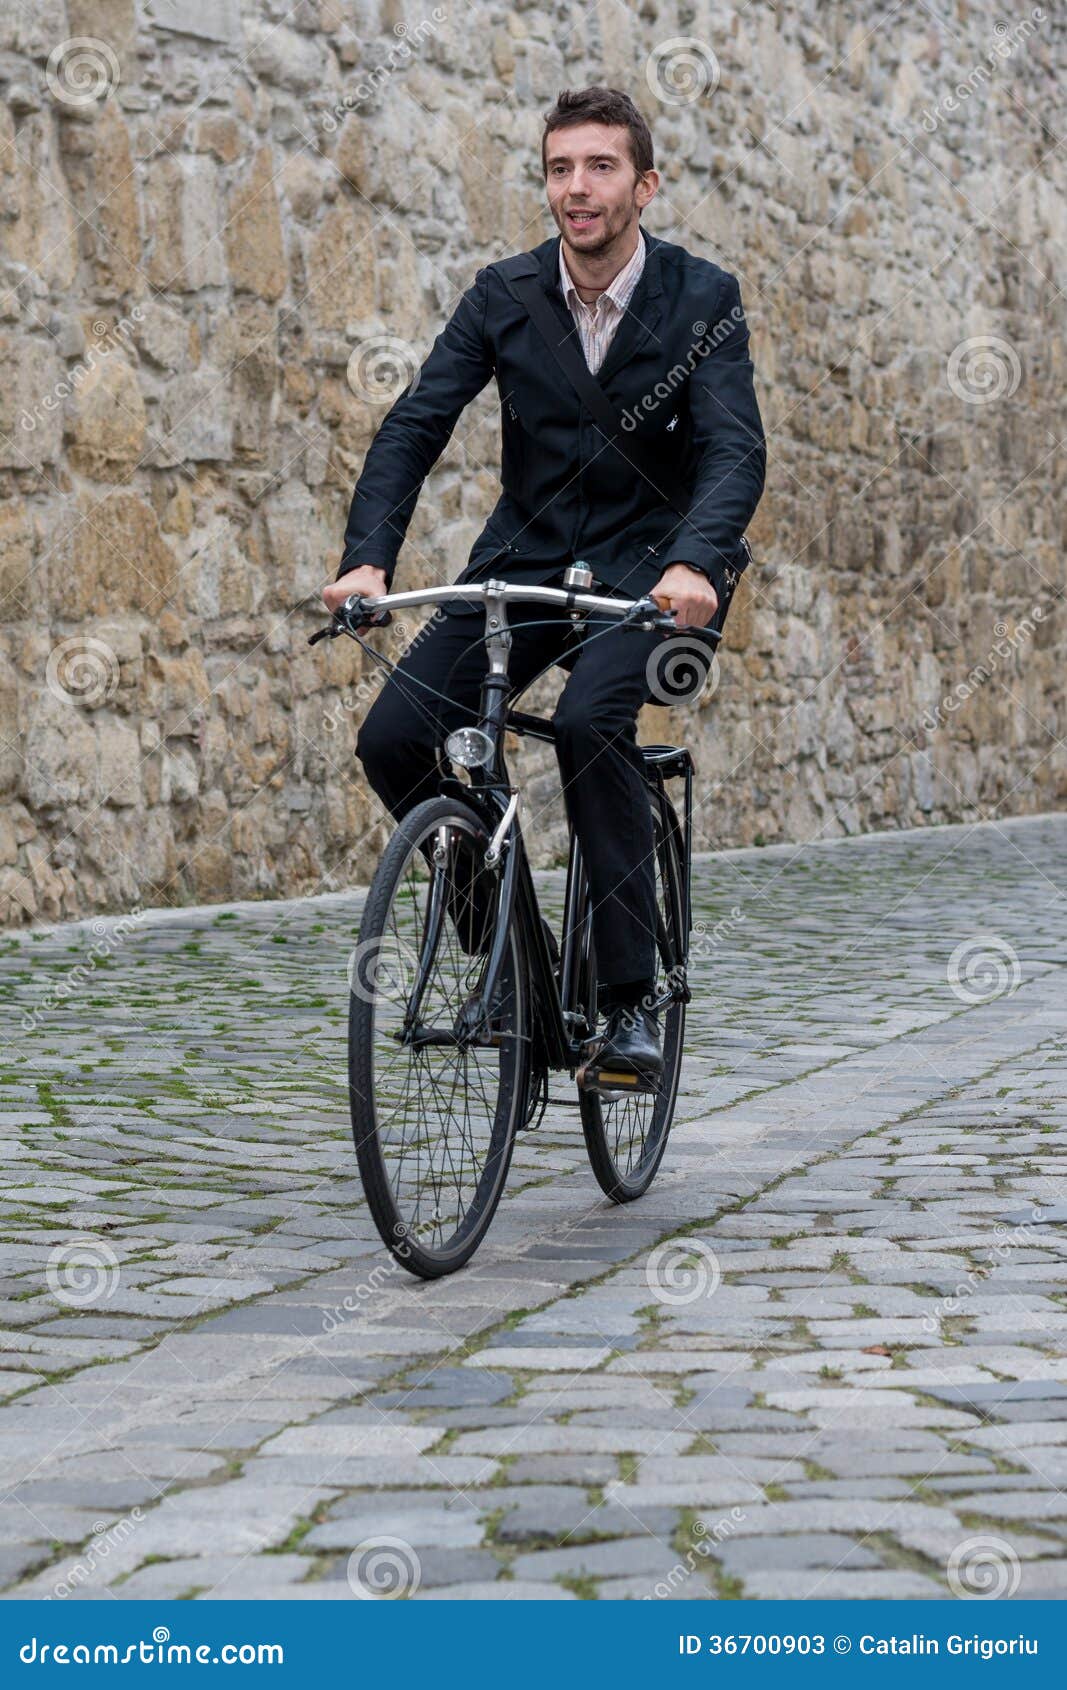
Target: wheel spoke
{"points": [[631, 1130], [435, 1120]]}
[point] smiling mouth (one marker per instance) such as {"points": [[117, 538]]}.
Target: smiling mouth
{"points": [[582, 219]]}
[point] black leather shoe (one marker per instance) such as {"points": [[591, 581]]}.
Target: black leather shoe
{"points": [[630, 1041]]}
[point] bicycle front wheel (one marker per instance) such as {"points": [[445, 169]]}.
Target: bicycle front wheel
{"points": [[627, 1136], [436, 1098]]}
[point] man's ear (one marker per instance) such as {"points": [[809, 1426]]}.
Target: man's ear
{"points": [[647, 188]]}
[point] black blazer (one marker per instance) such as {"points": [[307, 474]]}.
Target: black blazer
{"points": [[678, 373]]}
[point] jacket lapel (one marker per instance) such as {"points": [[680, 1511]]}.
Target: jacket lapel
{"points": [[640, 321]]}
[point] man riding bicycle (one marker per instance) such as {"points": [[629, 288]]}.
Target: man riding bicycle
{"points": [[657, 504]]}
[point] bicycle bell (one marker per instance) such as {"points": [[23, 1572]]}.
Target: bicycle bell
{"points": [[579, 576]]}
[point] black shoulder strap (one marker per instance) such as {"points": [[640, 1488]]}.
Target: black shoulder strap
{"points": [[568, 355]]}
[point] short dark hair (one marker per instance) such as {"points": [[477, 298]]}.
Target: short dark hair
{"points": [[600, 105]]}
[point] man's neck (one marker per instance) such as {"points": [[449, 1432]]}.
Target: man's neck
{"points": [[591, 273]]}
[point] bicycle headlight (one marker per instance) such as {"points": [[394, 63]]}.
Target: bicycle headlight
{"points": [[469, 747]]}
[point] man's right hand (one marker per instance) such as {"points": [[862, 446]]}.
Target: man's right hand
{"points": [[366, 580]]}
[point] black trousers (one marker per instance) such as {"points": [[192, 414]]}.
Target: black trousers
{"points": [[613, 672]]}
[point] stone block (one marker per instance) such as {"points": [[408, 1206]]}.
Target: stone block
{"points": [[342, 269], [107, 421], [186, 218], [205, 20], [195, 420], [18, 589], [255, 243], [110, 557], [31, 403]]}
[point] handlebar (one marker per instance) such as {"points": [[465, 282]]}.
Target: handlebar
{"points": [[362, 611]]}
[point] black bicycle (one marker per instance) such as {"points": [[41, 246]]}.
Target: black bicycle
{"points": [[462, 1001]]}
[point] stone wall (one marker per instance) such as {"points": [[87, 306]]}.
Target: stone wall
{"points": [[228, 234]]}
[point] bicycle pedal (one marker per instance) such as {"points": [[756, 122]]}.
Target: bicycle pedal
{"points": [[592, 1077]]}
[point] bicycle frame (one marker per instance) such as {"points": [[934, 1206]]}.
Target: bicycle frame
{"points": [[563, 1022], [559, 1018]]}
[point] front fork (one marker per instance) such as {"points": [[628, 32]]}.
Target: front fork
{"points": [[435, 915]]}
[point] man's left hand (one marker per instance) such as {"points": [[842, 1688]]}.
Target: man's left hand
{"points": [[687, 592]]}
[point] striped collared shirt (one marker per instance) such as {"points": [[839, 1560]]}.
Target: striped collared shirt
{"points": [[597, 323]]}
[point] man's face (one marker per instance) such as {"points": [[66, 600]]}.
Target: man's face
{"points": [[594, 192]]}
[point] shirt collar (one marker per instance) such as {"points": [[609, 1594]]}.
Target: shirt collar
{"points": [[619, 290]]}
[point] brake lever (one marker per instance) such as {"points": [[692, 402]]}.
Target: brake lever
{"points": [[647, 614], [664, 620], [353, 615], [350, 618]]}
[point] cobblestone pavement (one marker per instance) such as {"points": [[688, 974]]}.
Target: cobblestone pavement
{"points": [[823, 1357]]}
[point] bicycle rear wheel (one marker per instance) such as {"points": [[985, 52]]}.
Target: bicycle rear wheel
{"points": [[434, 1110], [627, 1136]]}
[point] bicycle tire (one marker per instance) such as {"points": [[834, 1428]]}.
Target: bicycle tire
{"points": [[605, 1123], [395, 1211]]}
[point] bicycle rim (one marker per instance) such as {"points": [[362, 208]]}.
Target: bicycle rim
{"points": [[627, 1136], [434, 1122]]}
